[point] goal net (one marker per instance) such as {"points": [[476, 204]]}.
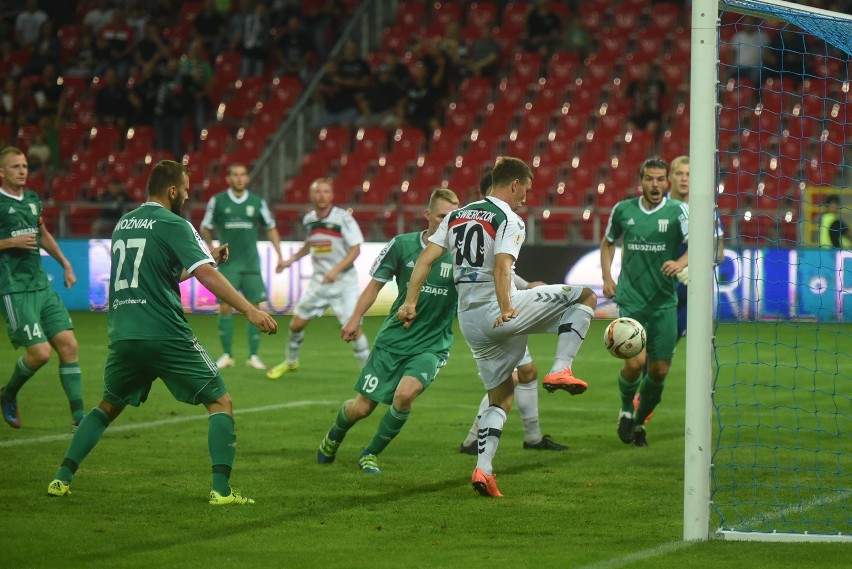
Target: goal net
{"points": [[782, 381]]}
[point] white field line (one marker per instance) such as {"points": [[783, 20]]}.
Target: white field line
{"points": [[639, 556], [152, 424]]}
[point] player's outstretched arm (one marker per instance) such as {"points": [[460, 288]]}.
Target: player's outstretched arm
{"points": [[219, 285], [344, 264], [368, 297], [49, 244], [408, 311], [275, 239], [303, 251], [607, 255]]}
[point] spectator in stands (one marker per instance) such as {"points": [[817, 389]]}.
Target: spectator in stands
{"points": [[748, 43], [433, 55], [210, 25], [38, 154], [294, 50], [47, 49], [337, 106], [484, 59], [379, 105], [576, 38], [143, 96], [151, 49], [834, 233], [420, 104], [83, 64], [28, 24], [111, 101], [252, 26], [137, 19], [9, 99], [646, 94], [323, 21], [543, 29], [196, 75], [399, 70], [113, 203], [785, 57], [169, 111], [353, 71], [115, 45], [98, 17], [49, 95]]}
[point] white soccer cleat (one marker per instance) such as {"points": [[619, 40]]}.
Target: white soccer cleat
{"points": [[225, 360], [255, 363]]}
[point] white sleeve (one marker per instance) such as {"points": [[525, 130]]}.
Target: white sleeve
{"points": [[349, 229], [510, 236], [207, 220], [439, 238]]}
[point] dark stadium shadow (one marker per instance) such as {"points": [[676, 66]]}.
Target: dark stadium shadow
{"points": [[245, 526]]}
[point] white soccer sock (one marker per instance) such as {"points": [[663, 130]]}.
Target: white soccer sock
{"points": [[572, 331], [490, 428], [473, 433], [361, 348], [526, 399], [294, 346]]}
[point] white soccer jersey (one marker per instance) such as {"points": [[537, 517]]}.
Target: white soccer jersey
{"points": [[331, 237], [474, 234]]}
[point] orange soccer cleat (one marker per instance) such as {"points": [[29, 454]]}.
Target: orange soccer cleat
{"points": [[485, 484], [564, 380]]}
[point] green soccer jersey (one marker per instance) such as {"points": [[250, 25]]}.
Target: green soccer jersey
{"points": [[236, 222], [432, 330], [150, 248], [651, 237], [20, 270]]}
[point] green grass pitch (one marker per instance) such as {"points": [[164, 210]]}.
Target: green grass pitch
{"points": [[139, 500]]}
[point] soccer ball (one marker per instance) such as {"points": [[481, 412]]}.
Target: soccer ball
{"points": [[624, 338]]}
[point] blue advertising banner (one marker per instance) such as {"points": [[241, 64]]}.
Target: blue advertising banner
{"points": [[752, 284]]}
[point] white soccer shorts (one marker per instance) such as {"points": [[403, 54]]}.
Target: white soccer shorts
{"points": [[498, 350], [341, 296]]}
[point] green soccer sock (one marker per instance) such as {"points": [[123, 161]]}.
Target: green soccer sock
{"points": [[341, 425], [86, 436], [253, 334], [20, 375], [222, 443], [650, 394], [389, 427], [72, 384], [226, 332], [628, 391]]}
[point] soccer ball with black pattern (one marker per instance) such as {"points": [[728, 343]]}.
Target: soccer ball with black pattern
{"points": [[624, 338]]}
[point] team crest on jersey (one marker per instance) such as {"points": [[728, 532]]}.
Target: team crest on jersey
{"points": [[663, 225], [250, 210], [33, 209], [12, 210], [446, 269]]}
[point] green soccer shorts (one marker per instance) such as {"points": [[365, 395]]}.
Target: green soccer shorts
{"points": [[249, 282], [34, 317], [185, 367], [384, 370], [660, 329]]}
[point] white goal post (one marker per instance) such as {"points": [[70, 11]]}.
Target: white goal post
{"points": [[700, 350]]}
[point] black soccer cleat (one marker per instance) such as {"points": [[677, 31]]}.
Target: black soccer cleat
{"points": [[639, 437], [625, 427], [546, 443]]}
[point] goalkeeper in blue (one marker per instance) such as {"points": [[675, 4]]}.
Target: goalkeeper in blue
{"points": [[653, 228], [402, 363]]}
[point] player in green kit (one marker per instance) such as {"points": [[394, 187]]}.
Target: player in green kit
{"points": [[35, 316], [153, 250], [236, 215], [403, 363], [653, 228]]}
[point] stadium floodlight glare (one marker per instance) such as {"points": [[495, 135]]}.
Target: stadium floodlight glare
{"points": [[767, 434]]}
